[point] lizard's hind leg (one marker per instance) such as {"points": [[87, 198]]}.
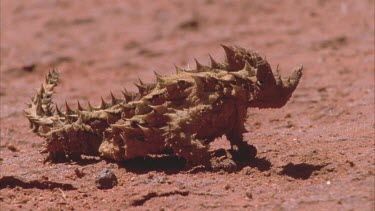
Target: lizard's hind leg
{"points": [[189, 148], [196, 153]]}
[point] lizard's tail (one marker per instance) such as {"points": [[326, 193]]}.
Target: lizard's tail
{"points": [[67, 136], [40, 108]]}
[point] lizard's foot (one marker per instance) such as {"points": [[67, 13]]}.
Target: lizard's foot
{"points": [[222, 160], [56, 157], [244, 152], [74, 156], [223, 163]]}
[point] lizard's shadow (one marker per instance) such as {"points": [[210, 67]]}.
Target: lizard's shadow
{"points": [[170, 164], [167, 163], [262, 164]]}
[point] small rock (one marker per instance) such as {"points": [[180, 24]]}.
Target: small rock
{"points": [[29, 67], [267, 174], [226, 187], [288, 115], [249, 194], [191, 24], [79, 173], [12, 148], [106, 179], [351, 163], [150, 176]]}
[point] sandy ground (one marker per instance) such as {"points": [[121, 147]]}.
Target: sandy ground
{"points": [[316, 153]]}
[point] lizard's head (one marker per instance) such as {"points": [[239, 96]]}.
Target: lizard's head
{"points": [[269, 90], [274, 91]]}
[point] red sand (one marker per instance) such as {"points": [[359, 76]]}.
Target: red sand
{"points": [[316, 153]]}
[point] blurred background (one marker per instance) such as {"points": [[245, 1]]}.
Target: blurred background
{"points": [[111, 43]]}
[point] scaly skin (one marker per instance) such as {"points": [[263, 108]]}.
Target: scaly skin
{"points": [[183, 113]]}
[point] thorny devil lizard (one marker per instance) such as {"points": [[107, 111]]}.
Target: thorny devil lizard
{"points": [[180, 114]]}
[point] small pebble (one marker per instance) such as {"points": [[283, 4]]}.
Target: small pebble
{"points": [[106, 179], [12, 148], [249, 194], [79, 173]]}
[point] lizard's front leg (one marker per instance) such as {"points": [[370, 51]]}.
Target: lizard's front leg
{"points": [[242, 150]]}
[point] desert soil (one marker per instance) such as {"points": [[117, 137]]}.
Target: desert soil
{"points": [[316, 153]]}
